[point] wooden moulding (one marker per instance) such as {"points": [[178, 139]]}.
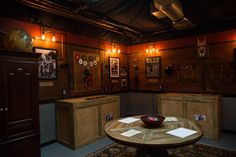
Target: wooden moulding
{"points": [[205, 109], [81, 120]]}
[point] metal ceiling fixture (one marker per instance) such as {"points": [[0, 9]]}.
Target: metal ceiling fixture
{"points": [[173, 10]]}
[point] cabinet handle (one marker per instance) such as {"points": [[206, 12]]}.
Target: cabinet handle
{"points": [[6, 109], [1, 109]]}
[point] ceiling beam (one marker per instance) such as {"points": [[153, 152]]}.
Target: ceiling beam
{"points": [[100, 22]]}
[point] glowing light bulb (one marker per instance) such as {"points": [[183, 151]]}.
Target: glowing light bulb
{"points": [[43, 36], [53, 38], [113, 50]]}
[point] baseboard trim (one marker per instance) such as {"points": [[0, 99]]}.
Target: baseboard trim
{"points": [[48, 143]]}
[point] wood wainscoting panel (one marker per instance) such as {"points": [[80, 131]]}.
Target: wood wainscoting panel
{"points": [[64, 115], [172, 108], [109, 111], [86, 125]]}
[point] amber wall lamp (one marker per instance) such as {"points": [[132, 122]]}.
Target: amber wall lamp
{"points": [[151, 47], [46, 31], [115, 48]]}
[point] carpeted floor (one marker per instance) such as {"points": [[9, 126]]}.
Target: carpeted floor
{"points": [[196, 150]]}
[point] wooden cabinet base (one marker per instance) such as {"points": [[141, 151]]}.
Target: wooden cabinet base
{"points": [[205, 109], [81, 120]]}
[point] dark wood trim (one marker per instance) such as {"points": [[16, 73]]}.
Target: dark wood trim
{"points": [[185, 47], [19, 53]]}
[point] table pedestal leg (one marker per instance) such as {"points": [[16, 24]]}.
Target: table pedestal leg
{"points": [[141, 152]]}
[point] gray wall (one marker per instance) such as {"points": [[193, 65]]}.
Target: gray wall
{"points": [[229, 113], [124, 104], [47, 122], [135, 103], [142, 103], [132, 103]]}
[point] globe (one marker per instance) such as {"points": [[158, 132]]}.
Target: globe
{"points": [[18, 39]]}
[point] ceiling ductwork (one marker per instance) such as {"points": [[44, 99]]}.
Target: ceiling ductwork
{"points": [[173, 10]]}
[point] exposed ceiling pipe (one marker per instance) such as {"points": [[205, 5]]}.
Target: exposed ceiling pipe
{"points": [[173, 10], [100, 22]]}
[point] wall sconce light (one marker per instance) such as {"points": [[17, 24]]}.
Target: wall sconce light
{"points": [[151, 48], [48, 31], [115, 48], [43, 35]]}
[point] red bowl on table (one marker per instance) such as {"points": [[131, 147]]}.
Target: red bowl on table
{"points": [[152, 120]]}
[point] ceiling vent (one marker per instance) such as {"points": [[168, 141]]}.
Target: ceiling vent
{"points": [[173, 10]]}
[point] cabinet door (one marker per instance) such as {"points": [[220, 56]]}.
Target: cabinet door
{"points": [[172, 108], [22, 148], [20, 99], [1, 104], [109, 112]]}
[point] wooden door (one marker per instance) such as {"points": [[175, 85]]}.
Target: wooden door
{"points": [[20, 99]]}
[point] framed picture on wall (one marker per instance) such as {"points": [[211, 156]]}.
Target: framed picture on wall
{"points": [[153, 67], [47, 63], [114, 65]]}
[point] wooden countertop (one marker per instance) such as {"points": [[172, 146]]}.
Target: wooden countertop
{"points": [[88, 99]]}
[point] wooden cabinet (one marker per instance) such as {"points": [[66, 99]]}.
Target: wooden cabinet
{"points": [[19, 110], [82, 120], [205, 109]]}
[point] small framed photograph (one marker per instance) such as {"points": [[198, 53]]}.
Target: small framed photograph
{"points": [[47, 63], [153, 67], [114, 64]]}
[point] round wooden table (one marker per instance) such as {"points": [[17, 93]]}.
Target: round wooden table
{"points": [[152, 141]]}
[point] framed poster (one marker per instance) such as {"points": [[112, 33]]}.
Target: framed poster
{"points": [[47, 63], [114, 64], [153, 67]]}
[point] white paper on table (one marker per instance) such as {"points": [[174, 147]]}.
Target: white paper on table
{"points": [[181, 132], [129, 120], [171, 119], [130, 133]]}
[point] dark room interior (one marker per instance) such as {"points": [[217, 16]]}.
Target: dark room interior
{"points": [[85, 78]]}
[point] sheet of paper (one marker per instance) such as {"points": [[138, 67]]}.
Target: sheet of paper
{"points": [[170, 119], [129, 120], [130, 133], [181, 132]]}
